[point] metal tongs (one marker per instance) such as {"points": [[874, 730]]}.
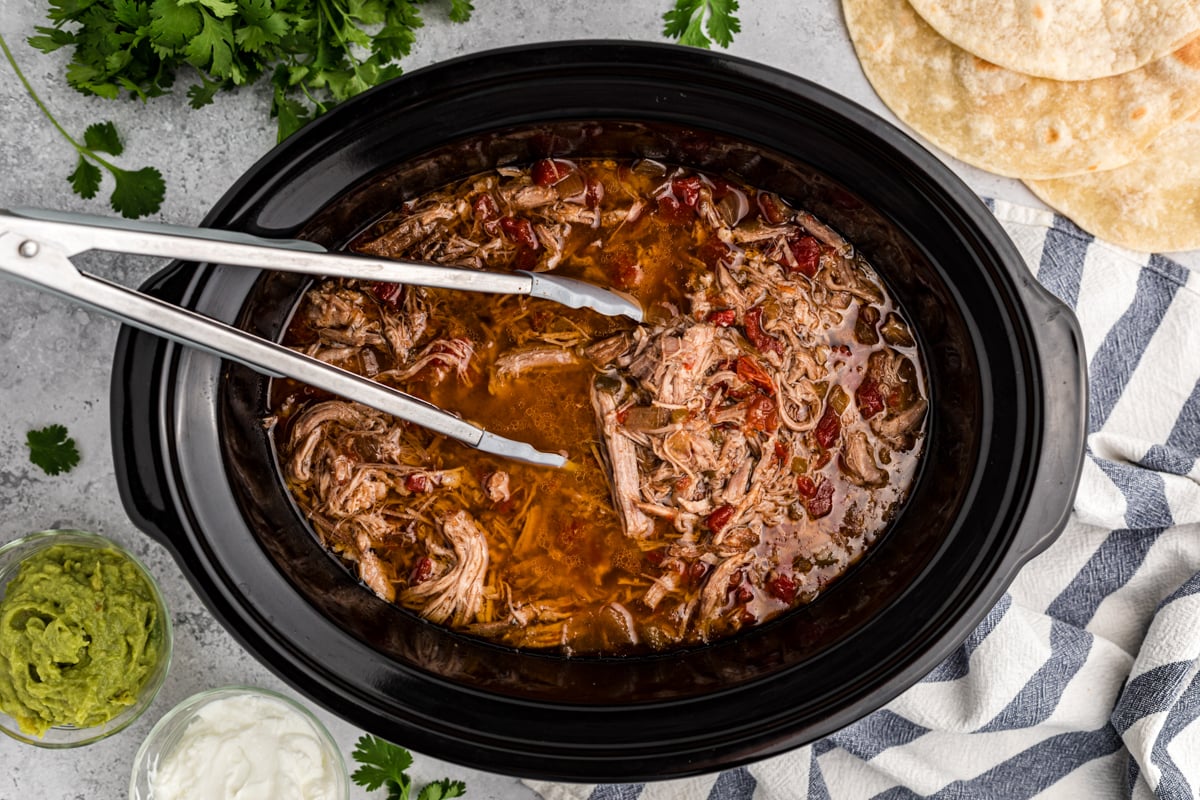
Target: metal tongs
{"points": [[36, 247]]}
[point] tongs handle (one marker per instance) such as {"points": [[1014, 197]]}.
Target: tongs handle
{"points": [[76, 233], [44, 265]]}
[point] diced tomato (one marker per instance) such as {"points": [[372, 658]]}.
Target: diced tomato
{"points": [[782, 587], [805, 486], [719, 518], [389, 293], [485, 208], [655, 557], [752, 373], [743, 595], [723, 318], [782, 452], [416, 483], [807, 252], [868, 398], [752, 324], [687, 190], [829, 427], [421, 571], [821, 502], [674, 211], [762, 414], [520, 231], [549, 171], [697, 570]]}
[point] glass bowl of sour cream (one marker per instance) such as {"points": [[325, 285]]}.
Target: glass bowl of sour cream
{"points": [[243, 742], [85, 638]]}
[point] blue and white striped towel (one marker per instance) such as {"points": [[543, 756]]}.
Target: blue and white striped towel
{"points": [[1084, 681]]}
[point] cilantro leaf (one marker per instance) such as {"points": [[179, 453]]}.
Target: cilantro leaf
{"points": [[52, 449], [85, 180], [51, 39], [102, 137], [202, 95], [442, 790], [693, 22], [381, 762], [460, 11], [137, 193]]}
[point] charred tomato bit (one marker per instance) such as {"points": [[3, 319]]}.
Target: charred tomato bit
{"points": [[520, 231], [723, 318], [868, 398], [762, 414], [752, 324], [389, 293], [829, 428], [807, 252], [752, 373], [719, 518], [421, 571], [686, 190], [782, 587], [821, 503], [416, 483], [549, 171]]}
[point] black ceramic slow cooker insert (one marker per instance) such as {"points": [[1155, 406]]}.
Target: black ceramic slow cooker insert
{"points": [[1003, 450]]}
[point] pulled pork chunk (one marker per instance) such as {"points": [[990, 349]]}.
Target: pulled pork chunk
{"points": [[456, 594]]}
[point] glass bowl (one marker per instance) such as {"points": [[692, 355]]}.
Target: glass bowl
{"points": [[238, 740], [43, 579]]}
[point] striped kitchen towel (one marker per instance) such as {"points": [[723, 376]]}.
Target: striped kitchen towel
{"points": [[1084, 681]]}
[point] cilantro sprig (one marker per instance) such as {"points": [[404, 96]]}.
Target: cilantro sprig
{"points": [[52, 449], [316, 52], [699, 23], [383, 764], [136, 193]]}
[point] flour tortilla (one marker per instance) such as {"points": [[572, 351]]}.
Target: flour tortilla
{"points": [[1068, 40], [1151, 205], [1010, 123]]}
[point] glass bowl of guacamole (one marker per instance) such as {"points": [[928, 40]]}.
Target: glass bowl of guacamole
{"points": [[85, 638]]}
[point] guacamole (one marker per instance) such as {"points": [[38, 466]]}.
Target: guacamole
{"points": [[80, 632]]}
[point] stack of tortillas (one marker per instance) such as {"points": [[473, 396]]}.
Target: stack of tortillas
{"points": [[1094, 105]]}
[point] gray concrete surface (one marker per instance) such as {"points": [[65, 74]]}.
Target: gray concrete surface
{"points": [[55, 358]]}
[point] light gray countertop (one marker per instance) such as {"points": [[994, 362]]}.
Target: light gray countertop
{"points": [[56, 359]]}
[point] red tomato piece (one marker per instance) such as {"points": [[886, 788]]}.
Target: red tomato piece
{"points": [[520, 231], [867, 396], [421, 571], [723, 318], [752, 323], [782, 587], [719, 518], [549, 171], [821, 502], [762, 414], [752, 373], [687, 190], [807, 252], [805, 486], [390, 293], [829, 428]]}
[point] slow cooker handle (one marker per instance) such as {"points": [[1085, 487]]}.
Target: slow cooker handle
{"points": [[1063, 363]]}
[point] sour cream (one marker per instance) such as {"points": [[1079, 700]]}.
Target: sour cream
{"points": [[247, 747]]}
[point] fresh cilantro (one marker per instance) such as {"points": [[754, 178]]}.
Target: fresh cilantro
{"points": [[52, 449], [317, 52], [383, 764], [699, 23], [135, 193]]}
